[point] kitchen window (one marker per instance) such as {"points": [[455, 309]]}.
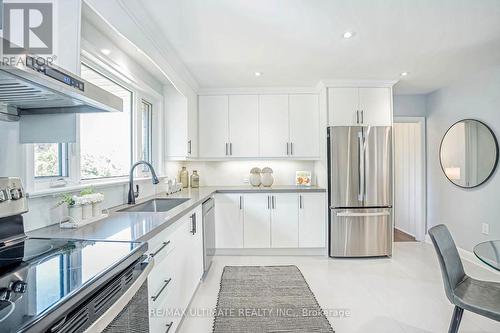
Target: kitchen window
{"points": [[50, 160], [106, 139], [146, 122]]}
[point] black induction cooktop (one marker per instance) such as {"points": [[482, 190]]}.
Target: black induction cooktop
{"points": [[38, 275]]}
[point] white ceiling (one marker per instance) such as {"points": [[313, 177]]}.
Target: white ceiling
{"points": [[299, 42], [121, 42]]}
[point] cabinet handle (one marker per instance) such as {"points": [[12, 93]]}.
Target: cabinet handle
{"points": [[268, 202], [287, 149], [189, 147], [164, 245], [169, 326], [300, 202], [193, 223], [230, 148], [241, 202], [165, 284], [291, 148], [357, 116], [362, 116], [273, 198], [226, 148]]}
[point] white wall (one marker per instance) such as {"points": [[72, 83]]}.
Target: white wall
{"points": [[233, 173], [409, 105], [10, 150], [464, 211]]}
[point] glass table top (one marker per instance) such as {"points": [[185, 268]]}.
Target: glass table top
{"points": [[489, 253]]}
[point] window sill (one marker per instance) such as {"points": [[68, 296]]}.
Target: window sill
{"points": [[84, 184]]}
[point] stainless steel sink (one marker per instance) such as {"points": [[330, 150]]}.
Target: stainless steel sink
{"points": [[155, 205]]}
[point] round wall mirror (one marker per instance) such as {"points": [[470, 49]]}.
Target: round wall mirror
{"points": [[469, 153]]}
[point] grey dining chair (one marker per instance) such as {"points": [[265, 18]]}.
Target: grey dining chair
{"points": [[466, 293]]}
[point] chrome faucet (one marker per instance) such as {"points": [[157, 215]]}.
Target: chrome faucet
{"points": [[134, 194]]}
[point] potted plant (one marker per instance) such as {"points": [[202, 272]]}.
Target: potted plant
{"points": [[74, 209], [86, 202], [96, 199]]}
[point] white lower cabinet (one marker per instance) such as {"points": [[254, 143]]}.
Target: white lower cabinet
{"points": [[178, 255], [256, 220], [270, 220], [284, 220], [312, 220], [228, 220]]}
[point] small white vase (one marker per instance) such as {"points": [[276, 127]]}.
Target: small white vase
{"points": [[97, 209], [86, 211], [75, 213]]}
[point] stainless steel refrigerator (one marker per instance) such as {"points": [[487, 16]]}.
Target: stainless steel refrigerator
{"points": [[360, 191]]}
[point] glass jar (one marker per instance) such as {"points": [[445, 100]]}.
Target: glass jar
{"points": [[184, 177], [195, 179]]}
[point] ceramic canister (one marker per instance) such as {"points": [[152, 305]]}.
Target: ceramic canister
{"points": [[267, 177], [255, 178]]}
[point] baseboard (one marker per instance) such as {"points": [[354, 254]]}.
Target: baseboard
{"points": [[467, 256], [406, 232], [272, 252]]}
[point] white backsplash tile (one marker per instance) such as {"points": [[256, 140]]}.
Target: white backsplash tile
{"points": [[233, 173]]}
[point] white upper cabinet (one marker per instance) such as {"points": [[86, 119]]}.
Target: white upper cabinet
{"points": [[375, 106], [304, 125], [243, 126], [266, 126], [213, 126], [273, 126], [370, 106], [344, 104], [181, 130]]}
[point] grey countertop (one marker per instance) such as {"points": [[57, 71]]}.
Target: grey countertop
{"points": [[141, 226]]}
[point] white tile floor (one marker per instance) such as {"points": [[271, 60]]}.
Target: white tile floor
{"points": [[402, 294]]}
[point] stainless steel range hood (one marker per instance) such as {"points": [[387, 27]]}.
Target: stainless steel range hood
{"points": [[33, 86]]}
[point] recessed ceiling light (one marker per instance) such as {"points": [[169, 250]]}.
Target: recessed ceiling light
{"points": [[404, 74], [348, 34], [105, 51], [258, 73]]}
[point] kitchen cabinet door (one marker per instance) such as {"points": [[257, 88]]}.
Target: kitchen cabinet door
{"points": [[284, 220], [312, 220], [213, 126], [257, 221], [375, 105], [244, 125], [343, 106], [180, 121], [273, 125], [304, 125], [228, 221]]}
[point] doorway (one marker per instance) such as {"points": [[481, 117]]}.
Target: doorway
{"points": [[409, 179]]}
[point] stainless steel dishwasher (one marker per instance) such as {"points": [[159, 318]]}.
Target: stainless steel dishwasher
{"points": [[208, 209]]}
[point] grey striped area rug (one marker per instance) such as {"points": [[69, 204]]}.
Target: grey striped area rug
{"points": [[267, 299]]}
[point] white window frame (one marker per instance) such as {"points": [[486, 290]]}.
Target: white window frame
{"points": [[140, 91]]}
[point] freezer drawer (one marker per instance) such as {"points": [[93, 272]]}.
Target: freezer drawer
{"points": [[360, 232]]}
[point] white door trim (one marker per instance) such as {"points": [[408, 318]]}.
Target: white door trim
{"points": [[421, 228]]}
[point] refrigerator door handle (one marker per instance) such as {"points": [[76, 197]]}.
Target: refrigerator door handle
{"points": [[351, 214], [361, 167]]}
